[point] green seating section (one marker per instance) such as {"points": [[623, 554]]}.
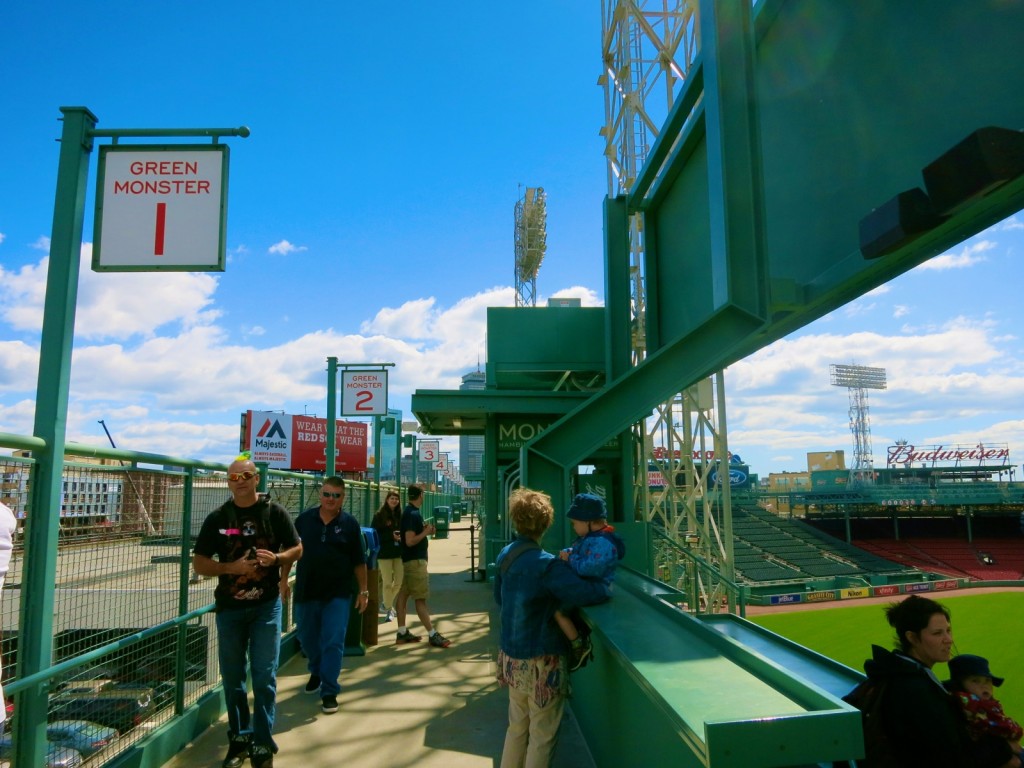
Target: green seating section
{"points": [[691, 693], [768, 548]]}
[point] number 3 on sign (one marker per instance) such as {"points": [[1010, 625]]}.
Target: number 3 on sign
{"points": [[429, 455]]}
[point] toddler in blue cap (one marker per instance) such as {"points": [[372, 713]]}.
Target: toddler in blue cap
{"points": [[972, 683], [593, 555]]}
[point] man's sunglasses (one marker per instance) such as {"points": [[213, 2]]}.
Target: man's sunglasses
{"points": [[236, 476], [329, 495]]}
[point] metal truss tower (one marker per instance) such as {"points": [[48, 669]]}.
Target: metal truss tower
{"points": [[858, 379], [531, 243], [649, 48]]}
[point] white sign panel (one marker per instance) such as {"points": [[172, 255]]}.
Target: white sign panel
{"points": [[161, 208], [428, 450], [364, 393]]}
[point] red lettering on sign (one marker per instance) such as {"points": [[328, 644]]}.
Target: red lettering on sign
{"points": [[165, 168], [363, 401], [161, 220]]}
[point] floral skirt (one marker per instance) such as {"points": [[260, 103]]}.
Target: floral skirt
{"points": [[542, 678]]}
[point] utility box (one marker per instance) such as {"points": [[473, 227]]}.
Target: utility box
{"points": [[442, 521]]}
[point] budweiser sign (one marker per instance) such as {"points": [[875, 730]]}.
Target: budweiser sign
{"points": [[980, 453]]}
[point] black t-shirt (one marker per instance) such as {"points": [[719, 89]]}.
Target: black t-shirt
{"points": [[330, 554], [231, 533], [412, 520], [386, 525]]}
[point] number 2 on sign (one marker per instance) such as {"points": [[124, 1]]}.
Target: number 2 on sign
{"points": [[364, 401]]}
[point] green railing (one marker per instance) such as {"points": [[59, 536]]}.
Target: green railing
{"points": [[134, 635], [704, 588]]}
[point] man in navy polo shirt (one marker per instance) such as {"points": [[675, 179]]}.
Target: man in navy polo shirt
{"points": [[330, 575]]}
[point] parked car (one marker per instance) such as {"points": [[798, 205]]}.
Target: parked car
{"points": [[118, 708], [56, 755], [81, 735]]}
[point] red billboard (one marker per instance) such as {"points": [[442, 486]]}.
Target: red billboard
{"points": [[294, 442]]}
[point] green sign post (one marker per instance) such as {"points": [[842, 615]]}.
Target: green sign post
{"points": [[35, 640]]}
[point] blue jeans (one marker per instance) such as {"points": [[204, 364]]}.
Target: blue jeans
{"points": [[255, 631], [322, 625]]}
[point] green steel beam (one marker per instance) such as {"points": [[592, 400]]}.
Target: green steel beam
{"points": [[35, 634], [617, 288], [632, 397]]}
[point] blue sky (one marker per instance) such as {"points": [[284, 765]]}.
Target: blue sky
{"points": [[370, 218]]}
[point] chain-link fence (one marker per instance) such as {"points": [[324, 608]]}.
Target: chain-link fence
{"points": [[134, 636]]}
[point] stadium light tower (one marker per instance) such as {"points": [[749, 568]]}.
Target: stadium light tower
{"points": [[858, 379], [531, 218]]}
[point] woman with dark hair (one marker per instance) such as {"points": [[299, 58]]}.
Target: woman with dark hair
{"points": [[389, 560], [922, 722]]}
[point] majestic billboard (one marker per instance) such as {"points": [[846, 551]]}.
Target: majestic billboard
{"points": [[299, 442]]}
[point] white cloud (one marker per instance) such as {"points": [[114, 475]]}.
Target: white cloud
{"points": [[284, 248], [19, 366], [2, 237], [970, 255], [961, 380], [900, 310], [22, 295], [111, 305], [41, 244]]}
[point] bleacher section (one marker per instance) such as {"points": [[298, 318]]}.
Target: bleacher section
{"points": [[770, 548], [955, 557]]}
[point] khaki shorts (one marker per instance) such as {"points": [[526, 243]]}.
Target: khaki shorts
{"points": [[415, 581]]}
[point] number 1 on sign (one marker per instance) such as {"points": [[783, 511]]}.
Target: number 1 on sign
{"points": [[161, 220]]}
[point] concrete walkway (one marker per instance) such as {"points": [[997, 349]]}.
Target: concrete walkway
{"points": [[407, 705]]}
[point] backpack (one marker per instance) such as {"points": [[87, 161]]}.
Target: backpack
{"points": [[868, 697]]}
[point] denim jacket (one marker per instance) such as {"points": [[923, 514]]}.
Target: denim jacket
{"points": [[530, 590]]}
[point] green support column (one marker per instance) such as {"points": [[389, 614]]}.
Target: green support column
{"points": [[330, 450], [35, 639], [542, 474], [399, 438], [617, 288]]}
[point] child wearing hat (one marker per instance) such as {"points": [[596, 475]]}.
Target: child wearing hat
{"points": [[972, 682], [593, 555]]}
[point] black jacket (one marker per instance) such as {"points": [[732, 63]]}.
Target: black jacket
{"points": [[923, 721]]}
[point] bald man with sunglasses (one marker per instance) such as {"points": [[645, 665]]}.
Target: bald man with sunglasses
{"points": [[252, 539]]}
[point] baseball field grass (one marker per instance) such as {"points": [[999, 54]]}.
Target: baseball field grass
{"points": [[989, 625]]}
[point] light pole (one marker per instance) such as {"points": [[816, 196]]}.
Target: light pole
{"points": [[409, 441]]}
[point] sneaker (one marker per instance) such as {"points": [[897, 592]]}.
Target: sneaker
{"points": [[329, 704], [262, 757], [405, 637], [390, 616], [439, 641], [312, 685], [238, 750], [580, 653]]}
